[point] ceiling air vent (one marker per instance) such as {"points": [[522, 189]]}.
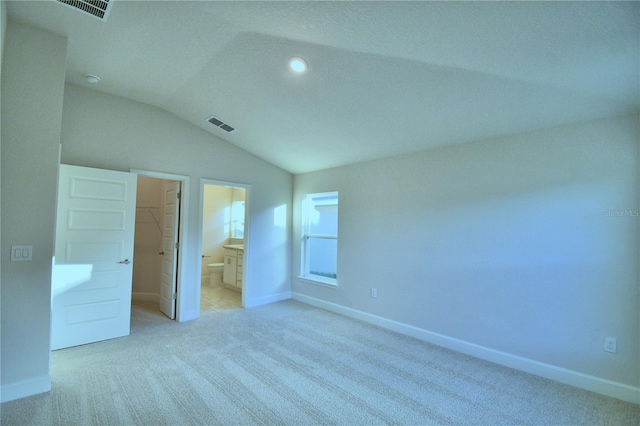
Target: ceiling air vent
{"points": [[98, 8], [219, 123]]}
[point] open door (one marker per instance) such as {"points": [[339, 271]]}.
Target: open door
{"points": [[93, 264], [168, 286]]}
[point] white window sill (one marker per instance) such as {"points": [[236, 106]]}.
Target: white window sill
{"points": [[328, 282]]}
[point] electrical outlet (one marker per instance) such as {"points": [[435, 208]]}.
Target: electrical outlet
{"points": [[610, 344], [374, 292]]}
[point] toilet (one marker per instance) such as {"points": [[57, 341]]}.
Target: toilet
{"points": [[215, 273]]}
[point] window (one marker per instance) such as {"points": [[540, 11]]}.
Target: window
{"points": [[238, 197], [320, 237], [237, 219]]}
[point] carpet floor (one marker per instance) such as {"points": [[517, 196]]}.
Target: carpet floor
{"points": [[291, 364]]}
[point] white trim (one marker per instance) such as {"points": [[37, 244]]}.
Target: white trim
{"points": [[182, 311], [327, 282], [574, 378], [259, 301], [144, 297], [246, 287], [24, 388]]}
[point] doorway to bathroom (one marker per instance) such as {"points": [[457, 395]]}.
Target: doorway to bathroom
{"points": [[223, 237]]}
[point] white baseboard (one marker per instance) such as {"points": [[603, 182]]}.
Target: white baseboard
{"points": [[584, 381], [144, 297], [25, 388], [267, 299]]}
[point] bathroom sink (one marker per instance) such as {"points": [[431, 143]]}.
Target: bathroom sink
{"points": [[234, 246]]}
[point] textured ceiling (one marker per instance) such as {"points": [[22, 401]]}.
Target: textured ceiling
{"points": [[385, 78]]}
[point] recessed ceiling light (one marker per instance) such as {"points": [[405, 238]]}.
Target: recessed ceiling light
{"points": [[298, 64], [92, 79]]}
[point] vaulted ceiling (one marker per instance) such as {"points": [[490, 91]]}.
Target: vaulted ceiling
{"points": [[384, 78]]}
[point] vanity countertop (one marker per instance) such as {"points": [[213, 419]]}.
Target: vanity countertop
{"points": [[234, 246]]}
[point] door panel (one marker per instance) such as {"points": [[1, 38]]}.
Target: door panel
{"points": [[93, 264], [168, 284]]}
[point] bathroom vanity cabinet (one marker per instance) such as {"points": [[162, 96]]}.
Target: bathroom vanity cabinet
{"points": [[233, 266]]}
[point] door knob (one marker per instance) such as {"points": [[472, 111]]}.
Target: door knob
{"points": [[126, 261]]}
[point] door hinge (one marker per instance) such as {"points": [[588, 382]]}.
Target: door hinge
{"points": [[174, 296], [176, 245], [179, 195]]}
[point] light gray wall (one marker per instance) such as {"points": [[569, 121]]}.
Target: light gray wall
{"points": [[32, 91], [3, 28], [113, 133], [514, 244], [109, 132]]}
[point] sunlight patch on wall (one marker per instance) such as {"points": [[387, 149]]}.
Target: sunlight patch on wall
{"points": [[280, 216]]}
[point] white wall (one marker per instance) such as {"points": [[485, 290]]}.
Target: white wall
{"points": [[110, 132], [513, 244], [32, 91]]}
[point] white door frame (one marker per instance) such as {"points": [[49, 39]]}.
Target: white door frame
{"points": [[183, 241], [247, 232]]}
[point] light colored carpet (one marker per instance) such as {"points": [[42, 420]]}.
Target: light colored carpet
{"points": [[289, 363]]}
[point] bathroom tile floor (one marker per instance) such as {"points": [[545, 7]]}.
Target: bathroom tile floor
{"points": [[219, 298]]}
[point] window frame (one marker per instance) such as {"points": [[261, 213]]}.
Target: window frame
{"points": [[307, 236]]}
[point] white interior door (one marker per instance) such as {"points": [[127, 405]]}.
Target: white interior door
{"points": [[93, 264], [168, 284]]}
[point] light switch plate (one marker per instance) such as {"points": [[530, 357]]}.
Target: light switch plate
{"points": [[21, 253]]}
